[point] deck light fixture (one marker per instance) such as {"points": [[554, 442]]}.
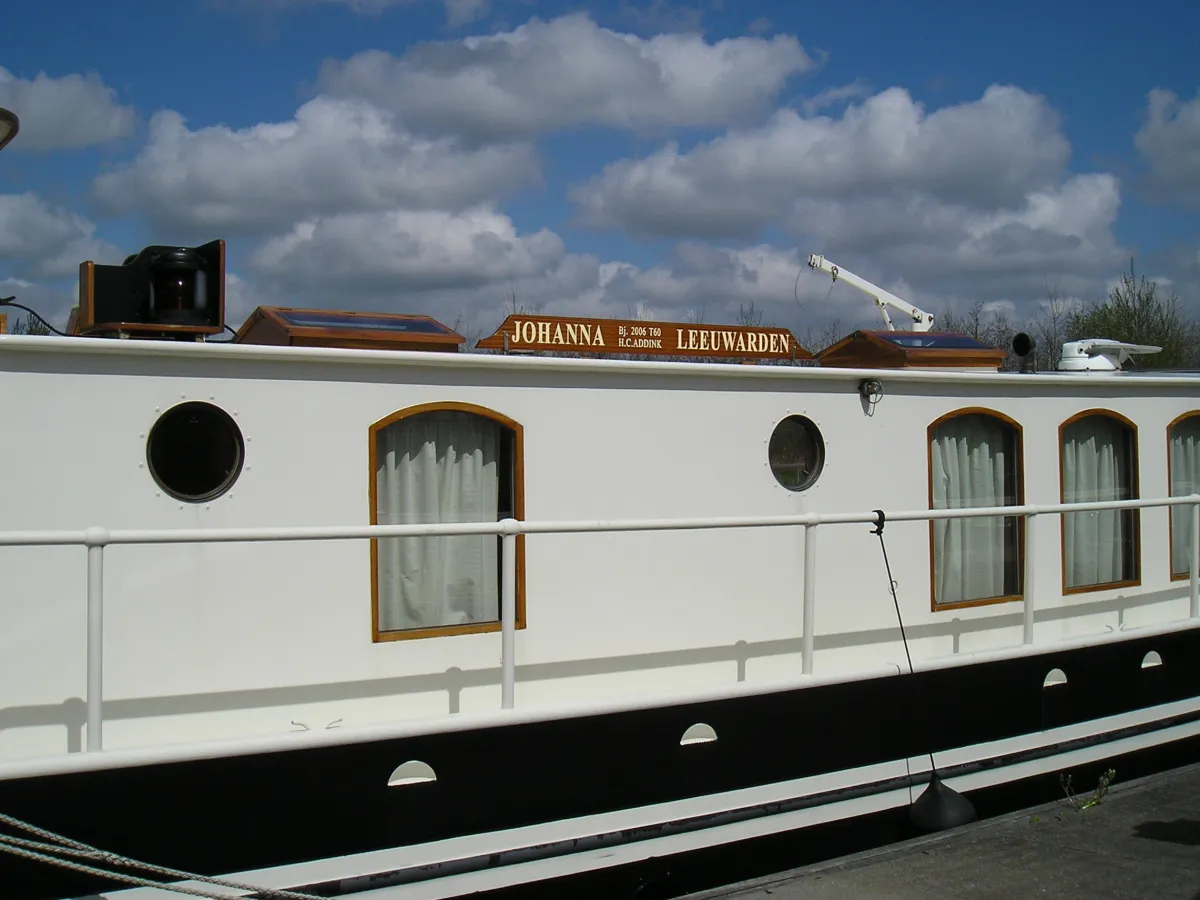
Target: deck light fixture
{"points": [[870, 390], [9, 126]]}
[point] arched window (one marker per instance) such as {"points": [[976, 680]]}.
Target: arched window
{"points": [[1099, 463], [975, 460], [438, 463], [1183, 475]]}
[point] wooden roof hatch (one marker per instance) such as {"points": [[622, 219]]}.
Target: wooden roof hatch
{"points": [[911, 350], [286, 326]]}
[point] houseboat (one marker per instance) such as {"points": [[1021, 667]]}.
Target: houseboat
{"points": [[331, 607]]}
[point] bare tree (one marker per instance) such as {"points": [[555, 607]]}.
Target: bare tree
{"points": [[513, 305], [970, 323], [750, 315], [1049, 328], [1134, 311], [28, 324], [469, 330], [815, 341]]}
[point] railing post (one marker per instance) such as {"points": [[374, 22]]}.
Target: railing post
{"points": [[95, 540], [810, 593], [508, 613], [1196, 560], [1028, 578]]}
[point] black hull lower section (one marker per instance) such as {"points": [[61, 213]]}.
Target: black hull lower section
{"points": [[666, 877], [272, 809]]}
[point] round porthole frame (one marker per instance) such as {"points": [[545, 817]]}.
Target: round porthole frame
{"points": [[235, 446], [815, 435]]}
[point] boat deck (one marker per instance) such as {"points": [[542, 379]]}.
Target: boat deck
{"points": [[1141, 841]]}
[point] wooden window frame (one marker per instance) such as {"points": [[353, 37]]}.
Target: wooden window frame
{"points": [[1178, 420], [1019, 432], [518, 480], [1137, 513]]}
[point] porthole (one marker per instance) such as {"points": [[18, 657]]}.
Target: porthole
{"points": [[796, 453], [194, 451]]}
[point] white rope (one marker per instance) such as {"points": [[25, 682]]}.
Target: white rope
{"points": [[37, 850]]}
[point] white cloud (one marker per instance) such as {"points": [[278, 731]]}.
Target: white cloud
{"points": [[1180, 268], [463, 12], [714, 281], [241, 298], [335, 156], [1169, 142], [833, 96], [64, 113], [46, 241], [1069, 224], [948, 255], [970, 201], [458, 12], [472, 266], [568, 72], [663, 15], [384, 191], [406, 251], [988, 153]]}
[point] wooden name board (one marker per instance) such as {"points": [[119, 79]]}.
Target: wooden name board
{"points": [[554, 333]]}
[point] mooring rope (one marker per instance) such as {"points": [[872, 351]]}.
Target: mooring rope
{"points": [[42, 851]]}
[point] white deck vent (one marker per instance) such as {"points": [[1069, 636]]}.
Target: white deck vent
{"points": [[1151, 659], [700, 733], [412, 772], [1098, 355], [1054, 678]]}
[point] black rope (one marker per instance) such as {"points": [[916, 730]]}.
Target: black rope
{"points": [[228, 328], [796, 289], [880, 519], [8, 301], [938, 807]]}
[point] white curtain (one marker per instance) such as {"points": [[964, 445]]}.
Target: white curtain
{"points": [[1097, 465], [438, 467], [974, 464], [1185, 479]]}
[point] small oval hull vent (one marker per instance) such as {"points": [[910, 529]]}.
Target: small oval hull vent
{"points": [[1055, 677], [698, 734], [412, 772]]}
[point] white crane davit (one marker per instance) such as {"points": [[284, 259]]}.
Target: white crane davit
{"points": [[922, 321]]}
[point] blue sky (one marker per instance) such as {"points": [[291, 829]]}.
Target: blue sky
{"points": [[612, 172]]}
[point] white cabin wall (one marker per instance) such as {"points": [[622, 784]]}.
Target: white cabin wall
{"points": [[245, 639], [1040, 411]]}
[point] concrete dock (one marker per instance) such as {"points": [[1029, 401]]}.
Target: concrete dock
{"points": [[1142, 840]]}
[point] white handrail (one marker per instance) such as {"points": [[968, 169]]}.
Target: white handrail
{"points": [[1028, 580], [95, 643], [96, 539], [359, 532], [508, 615], [1195, 561], [809, 608]]}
